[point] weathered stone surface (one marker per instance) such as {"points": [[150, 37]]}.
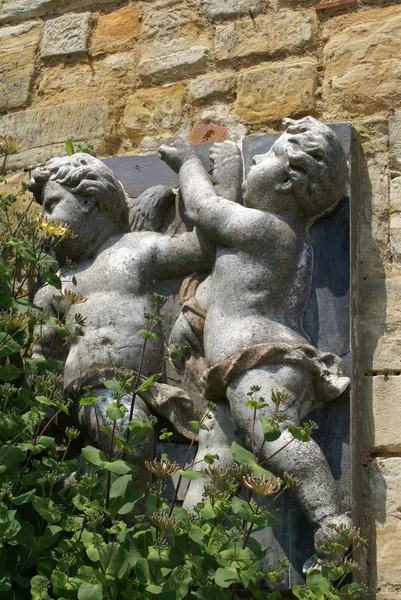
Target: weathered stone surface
{"points": [[395, 141], [267, 35], [362, 64], [385, 485], [386, 409], [18, 10], [154, 111], [114, 75], [275, 91], [395, 239], [158, 22], [174, 66], [86, 120], [66, 35], [115, 31], [216, 9], [18, 46], [395, 194], [210, 86], [380, 324]]}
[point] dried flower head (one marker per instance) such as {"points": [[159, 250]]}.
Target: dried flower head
{"points": [[262, 485], [162, 520], [162, 468], [10, 145]]}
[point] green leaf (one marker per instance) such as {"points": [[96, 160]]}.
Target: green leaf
{"points": [[113, 385], [120, 467], [50, 536], [133, 499], [299, 433], [52, 279], [94, 456], [142, 571], [226, 577], [9, 373], [262, 520], [70, 151], [8, 346], [242, 455], [45, 508], [120, 486], [116, 412], [140, 430], [271, 433], [149, 382], [91, 591], [89, 401], [191, 475], [197, 426], [45, 364], [211, 592], [58, 326], [23, 498], [10, 456], [146, 335]]}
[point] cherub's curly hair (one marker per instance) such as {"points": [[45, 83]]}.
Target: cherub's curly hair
{"points": [[317, 164], [84, 175]]}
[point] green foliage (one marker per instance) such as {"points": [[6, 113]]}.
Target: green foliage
{"points": [[70, 526]]}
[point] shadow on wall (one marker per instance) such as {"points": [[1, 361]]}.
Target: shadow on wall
{"points": [[368, 309]]}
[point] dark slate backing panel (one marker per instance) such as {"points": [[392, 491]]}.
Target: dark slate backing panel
{"points": [[326, 322]]}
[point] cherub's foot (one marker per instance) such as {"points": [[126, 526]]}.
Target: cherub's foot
{"points": [[221, 152]]}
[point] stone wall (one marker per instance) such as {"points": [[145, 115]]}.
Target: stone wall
{"points": [[126, 76]]}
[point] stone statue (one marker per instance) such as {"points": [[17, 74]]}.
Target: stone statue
{"points": [[117, 271], [257, 295]]}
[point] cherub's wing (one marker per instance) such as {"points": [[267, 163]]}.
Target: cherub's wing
{"points": [[227, 171], [149, 209]]}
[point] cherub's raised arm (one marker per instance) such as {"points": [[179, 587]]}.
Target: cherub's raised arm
{"points": [[222, 220], [183, 254]]}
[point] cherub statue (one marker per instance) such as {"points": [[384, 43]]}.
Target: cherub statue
{"points": [[117, 271], [259, 288]]}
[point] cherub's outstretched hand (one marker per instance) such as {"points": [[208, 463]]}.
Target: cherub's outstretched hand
{"points": [[176, 155]]}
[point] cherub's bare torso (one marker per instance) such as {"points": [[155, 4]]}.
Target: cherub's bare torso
{"points": [[118, 284], [250, 302]]}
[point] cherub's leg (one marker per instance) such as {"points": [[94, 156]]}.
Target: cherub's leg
{"points": [[317, 495], [217, 440]]}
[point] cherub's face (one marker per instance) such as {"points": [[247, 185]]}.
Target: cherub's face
{"points": [[62, 206], [267, 174]]}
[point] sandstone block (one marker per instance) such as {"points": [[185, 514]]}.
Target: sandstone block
{"points": [[174, 66], [277, 32], [211, 86], [18, 46], [158, 22], [380, 324], [385, 485], [275, 91], [69, 81], [216, 9], [362, 64], [395, 194], [386, 408], [86, 120], [19, 10], [66, 35], [154, 111], [395, 239], [395, 141], [115, 31]]}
